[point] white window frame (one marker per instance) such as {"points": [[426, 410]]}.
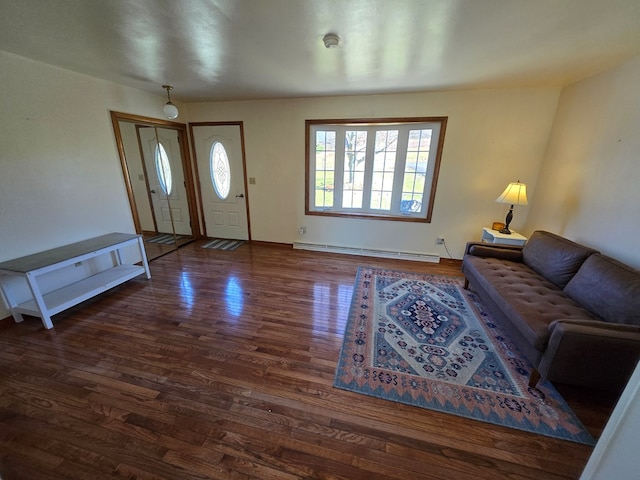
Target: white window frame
{"points": [[403, 125]]}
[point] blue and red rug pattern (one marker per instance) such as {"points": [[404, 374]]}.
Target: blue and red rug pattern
{"points": [[424, 340]]}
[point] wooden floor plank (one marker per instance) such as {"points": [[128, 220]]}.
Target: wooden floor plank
{"points": [[222, 366]]}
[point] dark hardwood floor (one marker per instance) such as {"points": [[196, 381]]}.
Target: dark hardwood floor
{"points": [[221, 367]]}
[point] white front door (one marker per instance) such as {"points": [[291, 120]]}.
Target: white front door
{"points": [[165, 175], [218, 150]]}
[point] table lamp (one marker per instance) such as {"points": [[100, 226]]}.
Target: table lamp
{"points": [[514, 194]]}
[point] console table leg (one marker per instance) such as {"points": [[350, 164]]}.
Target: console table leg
{"points": [[17, 316], [143, 255], [37, 297]]}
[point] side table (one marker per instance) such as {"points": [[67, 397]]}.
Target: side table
{"points": [[493, 236]]}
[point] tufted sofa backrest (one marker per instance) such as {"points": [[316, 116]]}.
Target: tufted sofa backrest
{"points": [[607, 288], [555, 258]]}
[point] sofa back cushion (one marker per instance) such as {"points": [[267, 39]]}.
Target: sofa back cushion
{"points": [[608, 289], [555, 258]]}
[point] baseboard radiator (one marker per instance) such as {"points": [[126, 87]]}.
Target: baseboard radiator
{"points": [[367, 252]]}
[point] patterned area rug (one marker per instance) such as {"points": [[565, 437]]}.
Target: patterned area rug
{"points": [[425, 341], [223, 244]]}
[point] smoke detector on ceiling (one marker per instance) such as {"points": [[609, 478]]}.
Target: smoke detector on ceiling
{"points": [[331, 40]]}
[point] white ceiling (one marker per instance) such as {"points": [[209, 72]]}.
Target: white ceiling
{"points": [[247, 49]]}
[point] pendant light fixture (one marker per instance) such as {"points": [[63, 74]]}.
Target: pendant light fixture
{"points": [[170, 110]]}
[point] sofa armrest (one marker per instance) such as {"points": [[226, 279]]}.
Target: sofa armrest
{"points": [[591, 353], [504, 252], [585, 323]]}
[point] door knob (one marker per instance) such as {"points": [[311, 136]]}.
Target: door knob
{"points": [[240, 196], [153, 191]]}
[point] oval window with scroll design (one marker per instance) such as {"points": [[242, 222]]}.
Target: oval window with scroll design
{"points": [[220, 170], [163, 167]]}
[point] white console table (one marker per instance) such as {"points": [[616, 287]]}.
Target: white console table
{"points": [[32, 267]]}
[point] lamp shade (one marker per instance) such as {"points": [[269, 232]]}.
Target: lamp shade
{"points": [[170, 111], [514, 194]]}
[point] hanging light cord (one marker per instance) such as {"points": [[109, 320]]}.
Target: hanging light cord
{"points": [[168, 88]]}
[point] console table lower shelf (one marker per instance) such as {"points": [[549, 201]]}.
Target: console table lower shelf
{"points": [[45, 305]]}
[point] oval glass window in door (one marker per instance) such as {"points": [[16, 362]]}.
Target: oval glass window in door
{"points": [[220, 170], [164, 169]]}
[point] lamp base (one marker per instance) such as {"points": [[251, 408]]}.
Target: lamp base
{"points": [[507, 221]]}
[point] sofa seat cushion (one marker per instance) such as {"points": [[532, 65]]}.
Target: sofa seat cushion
{"points": [[607, 288], [528, 300]]}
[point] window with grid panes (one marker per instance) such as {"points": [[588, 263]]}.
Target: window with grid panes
{"points": [[385, 169]]}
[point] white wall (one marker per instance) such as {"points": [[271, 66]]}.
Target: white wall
{"points": [[60, 175], [589, 184], [493, 137], [589, 190], [615, 454]]}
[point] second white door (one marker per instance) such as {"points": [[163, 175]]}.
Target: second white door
{"points": [[218, 151]]}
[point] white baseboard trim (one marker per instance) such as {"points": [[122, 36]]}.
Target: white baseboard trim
{"points": [[367, 252]]}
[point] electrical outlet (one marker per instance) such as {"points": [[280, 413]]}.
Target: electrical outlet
{"points": [[440, 240], [302, 230]]}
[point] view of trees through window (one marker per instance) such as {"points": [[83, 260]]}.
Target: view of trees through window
{"points": [[373, 169]]}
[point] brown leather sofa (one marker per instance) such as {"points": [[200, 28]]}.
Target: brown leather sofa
{"points": [[573, 312]]}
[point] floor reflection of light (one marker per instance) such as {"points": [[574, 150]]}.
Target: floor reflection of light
{"points": [[233, 297], [321, 306], [330, 308], [345, 292], [186, 290]]}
